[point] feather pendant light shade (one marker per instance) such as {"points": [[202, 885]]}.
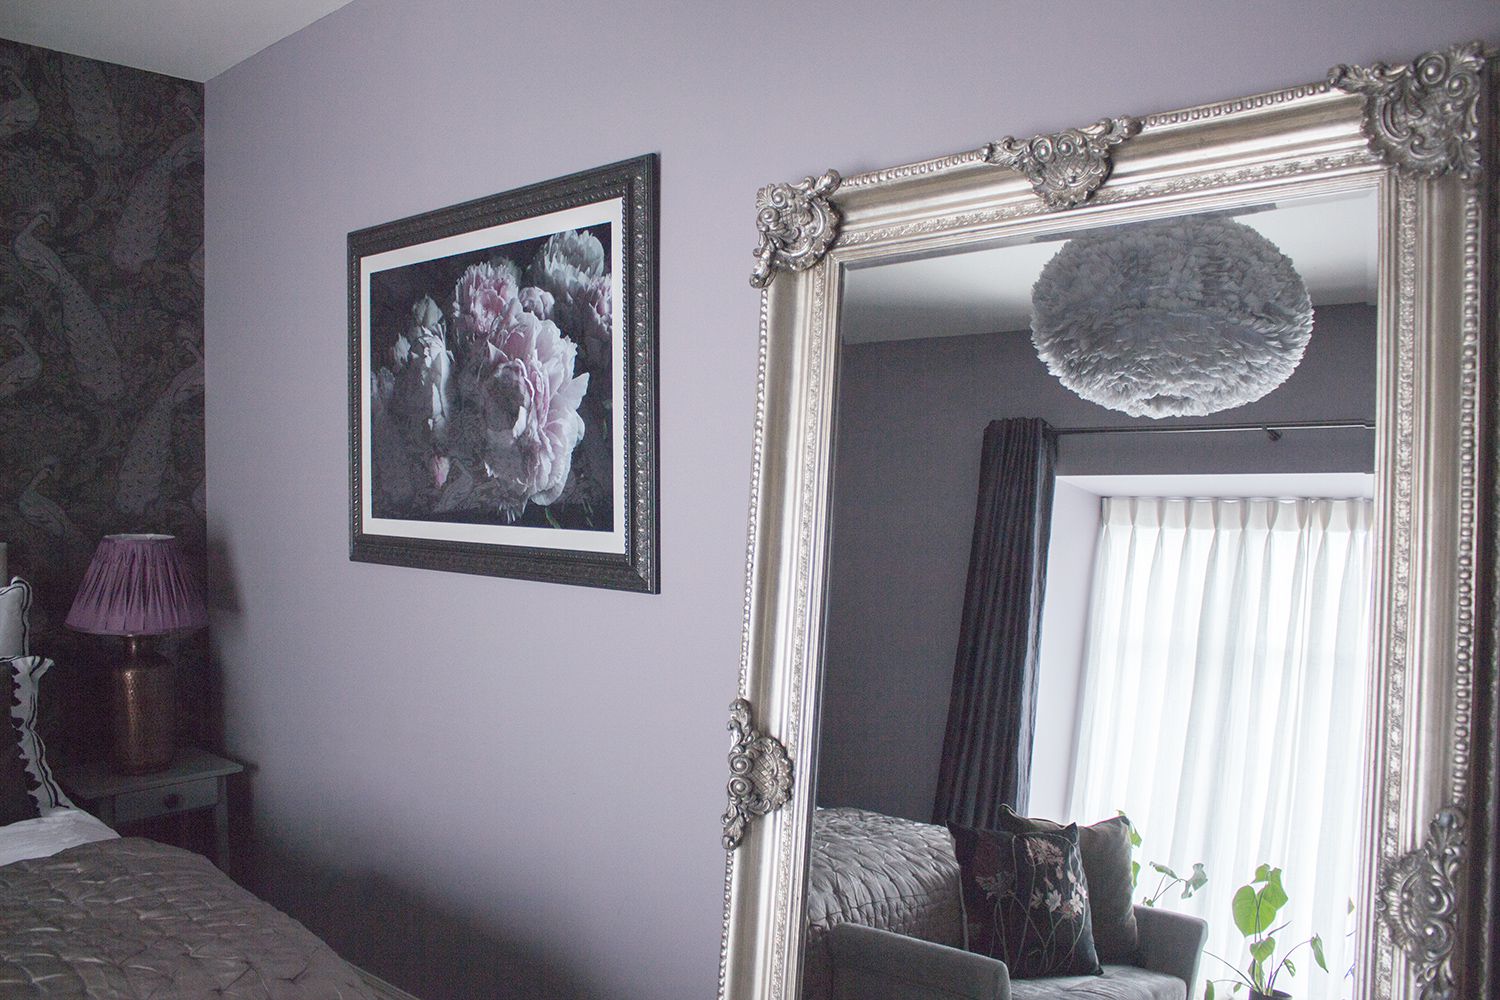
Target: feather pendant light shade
{"points": [[1177, 318]]}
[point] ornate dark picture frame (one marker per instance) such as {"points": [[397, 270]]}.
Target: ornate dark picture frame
{"points": [[503, 384]]}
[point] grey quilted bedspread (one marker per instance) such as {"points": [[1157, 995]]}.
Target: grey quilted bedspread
{"points": [[877, 871], [136, 919]]}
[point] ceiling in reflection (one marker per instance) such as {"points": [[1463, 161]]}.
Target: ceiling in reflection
{"points": [[1332, 241]]}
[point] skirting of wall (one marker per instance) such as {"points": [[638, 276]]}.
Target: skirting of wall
{"points": [[382, 989]]}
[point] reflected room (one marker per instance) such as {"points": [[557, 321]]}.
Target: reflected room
{"points": [[1098, 620]]}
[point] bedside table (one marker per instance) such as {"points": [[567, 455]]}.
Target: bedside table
{"points": [[193, 781]]}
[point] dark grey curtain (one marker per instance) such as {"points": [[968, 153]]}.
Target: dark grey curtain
{"points": [[992, 710]]}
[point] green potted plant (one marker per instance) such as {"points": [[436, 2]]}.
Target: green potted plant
{"points": [[1168, 879], [1256, 906]]}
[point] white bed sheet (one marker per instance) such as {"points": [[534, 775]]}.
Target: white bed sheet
{"points": [[46, 835]]}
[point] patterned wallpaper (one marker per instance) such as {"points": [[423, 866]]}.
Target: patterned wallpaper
{"points": [[101, 313]]}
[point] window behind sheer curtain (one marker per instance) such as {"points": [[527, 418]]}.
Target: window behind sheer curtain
{"points": [[1223, 706]]}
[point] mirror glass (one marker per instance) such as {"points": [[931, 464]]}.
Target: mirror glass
{"points": [[1151, 602]]}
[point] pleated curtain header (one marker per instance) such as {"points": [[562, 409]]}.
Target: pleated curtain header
{"points": [[138, 585]]}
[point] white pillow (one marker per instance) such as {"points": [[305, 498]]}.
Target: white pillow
{"points": [[24, 672], [15, 608]]}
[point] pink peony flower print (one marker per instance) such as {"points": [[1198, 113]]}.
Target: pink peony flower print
{"points": [[480, 299], [528, 400], [416, 389], [571, 267], [537, 302], [595, 311], [567, 262]]}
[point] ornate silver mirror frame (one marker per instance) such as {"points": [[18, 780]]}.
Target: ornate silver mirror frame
{"points": [[1418, 134]]}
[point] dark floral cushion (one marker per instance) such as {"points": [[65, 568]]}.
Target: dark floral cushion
{"points": [[1026, 901], [1106, 851]]}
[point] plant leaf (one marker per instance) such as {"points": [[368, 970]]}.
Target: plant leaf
{"points": [[1163, 869], [1290, 966], [1262, 874], [1273, 893], [1135, 874], [1317, 950], [1243, 908], [1208, 992], [1262, 950], [1199, 877]]}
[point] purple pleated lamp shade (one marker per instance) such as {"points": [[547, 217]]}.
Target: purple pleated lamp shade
{"points": [[138, 585]]}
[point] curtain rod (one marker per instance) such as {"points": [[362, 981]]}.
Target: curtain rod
{"points": [[1270, 428]]}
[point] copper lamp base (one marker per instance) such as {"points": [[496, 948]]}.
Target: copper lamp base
{"points": [[143, 705]]}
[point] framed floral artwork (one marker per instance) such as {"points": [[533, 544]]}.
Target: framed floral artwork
{"points": [[502, 384]]}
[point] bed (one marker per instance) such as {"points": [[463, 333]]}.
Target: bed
{"points": [[880, 871], [87, 913]]}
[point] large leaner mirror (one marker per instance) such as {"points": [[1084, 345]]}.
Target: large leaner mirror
{"points": [[1121, 559]]}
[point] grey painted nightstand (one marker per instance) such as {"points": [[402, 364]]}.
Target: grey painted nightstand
{"points": [[194, 780]]}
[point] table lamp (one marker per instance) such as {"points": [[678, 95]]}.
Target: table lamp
{"points": [[139, 586]]}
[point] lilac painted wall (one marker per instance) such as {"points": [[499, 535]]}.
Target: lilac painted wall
{"points": [[484, 787]]}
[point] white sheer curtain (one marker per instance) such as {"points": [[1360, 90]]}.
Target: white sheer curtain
{"points": [[1223, 705]]}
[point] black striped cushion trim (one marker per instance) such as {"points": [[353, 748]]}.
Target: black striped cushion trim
{"points": [[25, 673]]}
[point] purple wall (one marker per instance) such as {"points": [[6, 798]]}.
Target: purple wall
{"points": [[488, 787]]}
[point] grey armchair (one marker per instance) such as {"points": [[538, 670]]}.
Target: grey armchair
{"points": [[871, 964]]}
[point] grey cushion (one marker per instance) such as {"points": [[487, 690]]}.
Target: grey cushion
{"points": [[1105, 847], [1119, 982]]}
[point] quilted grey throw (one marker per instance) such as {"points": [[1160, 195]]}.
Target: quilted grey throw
{"points": [[136, 919], [878, 871]]}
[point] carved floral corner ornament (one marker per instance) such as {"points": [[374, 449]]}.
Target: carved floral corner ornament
{"points": [[1418, 900], [797, 222], [1065, 168], [760, 775], [1423, 117]]}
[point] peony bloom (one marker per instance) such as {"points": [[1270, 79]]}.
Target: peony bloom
{"points": [[567, 263], [420, 388], [537, 302], [527, 399], [480, 299], [571, 267], [593, 317], [439, 466]]}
